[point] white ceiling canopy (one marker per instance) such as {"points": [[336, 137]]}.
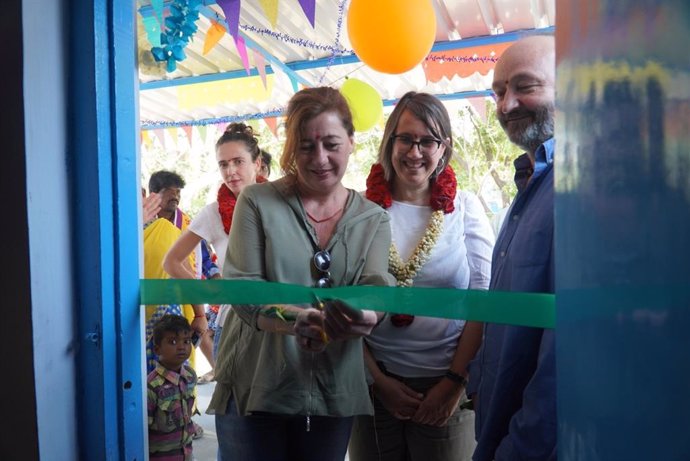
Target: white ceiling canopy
{"points": [[215, 87]]}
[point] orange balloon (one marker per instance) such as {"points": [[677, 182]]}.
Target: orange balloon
{"points": [[391, 36]]}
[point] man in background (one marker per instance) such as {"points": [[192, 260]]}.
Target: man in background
{"points": [[513, 378]]}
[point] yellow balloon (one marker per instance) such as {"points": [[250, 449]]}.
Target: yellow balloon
{"points": [[391, 36], [365, 103]]}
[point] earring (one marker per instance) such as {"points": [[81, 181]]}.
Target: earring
{"points": [[440, 166]]}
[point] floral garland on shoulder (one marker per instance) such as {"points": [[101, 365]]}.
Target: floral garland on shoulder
{"points": [[443, 191], [226, 204]]}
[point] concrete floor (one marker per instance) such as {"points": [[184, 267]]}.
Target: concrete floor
{"points": [[205, 448]]}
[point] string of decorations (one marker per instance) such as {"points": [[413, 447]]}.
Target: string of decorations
{"points": [[155, 124], [331, 60], [295, 41], [180, 26], [445, 58]]}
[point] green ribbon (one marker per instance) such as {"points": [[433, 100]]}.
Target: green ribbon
{"points": [[526, 309]]}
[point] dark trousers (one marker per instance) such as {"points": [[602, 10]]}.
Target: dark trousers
{"points": [[273, 437]]}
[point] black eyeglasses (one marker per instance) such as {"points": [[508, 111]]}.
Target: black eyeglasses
{"points": [[322, 262], [426, 145]]}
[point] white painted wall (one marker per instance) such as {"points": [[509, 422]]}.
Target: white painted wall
{"points": [[45, 90]]}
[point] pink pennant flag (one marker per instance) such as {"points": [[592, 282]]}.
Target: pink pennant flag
{"points": [[231, 10], [160, 134], [309, 8], [242, 50], [220, 128], [272, 123], [260, 64], [479, 105], [188, 131]]}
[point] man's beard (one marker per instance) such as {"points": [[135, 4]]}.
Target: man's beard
{"points": [[530, 134]]}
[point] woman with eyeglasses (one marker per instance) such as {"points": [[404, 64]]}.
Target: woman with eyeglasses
{"points": [[441, 238], [291, 378]]}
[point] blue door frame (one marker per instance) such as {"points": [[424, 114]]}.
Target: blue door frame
{"points": [[104, 142]]}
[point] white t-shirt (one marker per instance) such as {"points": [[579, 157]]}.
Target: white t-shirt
{"points": [[209, 226], [460, 259]]}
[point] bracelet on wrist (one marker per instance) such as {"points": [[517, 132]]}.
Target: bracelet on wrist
{"points": [[198, 316], [456, 378]]}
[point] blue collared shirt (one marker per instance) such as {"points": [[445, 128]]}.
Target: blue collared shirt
{"points": [[514, 373]]}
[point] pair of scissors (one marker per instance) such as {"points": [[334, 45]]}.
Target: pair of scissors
{"points": [[320, 305]]}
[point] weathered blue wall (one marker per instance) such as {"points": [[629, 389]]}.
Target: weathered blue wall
{"points": [[623, 230], [49, 215]]}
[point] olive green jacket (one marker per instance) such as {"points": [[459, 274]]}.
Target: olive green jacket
{"points": [[271, 239]]}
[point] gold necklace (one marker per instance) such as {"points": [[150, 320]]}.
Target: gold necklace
{"points": [[405, 272]]}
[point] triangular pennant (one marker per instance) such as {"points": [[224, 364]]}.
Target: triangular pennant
{"points": [[213, 36], [271, 9], [242, 50], [145, 138], [172, 131], [220, 128], [479, 105], [153, 30], [272, 123], [160, 134], [188, 131], [202, 133], [231, 10], [260, 64], [158, 8], [309, 8]]}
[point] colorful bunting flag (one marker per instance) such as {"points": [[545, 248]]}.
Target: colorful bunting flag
{"points": [[188, 131], [158, 8], [213, 36], [172, 131], [145, 138], [202, 133], [479, 105], [272, 123], [242, 50], [160, 134], [153, 30], [260, 64], [463, 62], [309, 8], [271, 9], [231, 10]]}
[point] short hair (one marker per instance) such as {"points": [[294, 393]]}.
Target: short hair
{"points": [[169, 323], [432, 112], [163, 179], [303, 107], [242, 133], [266, 160]]}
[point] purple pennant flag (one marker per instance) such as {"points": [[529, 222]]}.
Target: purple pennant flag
{"points": [[309, 8], [231, 10]]}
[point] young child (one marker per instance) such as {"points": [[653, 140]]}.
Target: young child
{"points": [[170, 389]]}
